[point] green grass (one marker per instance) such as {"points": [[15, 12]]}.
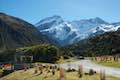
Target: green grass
{"points": [[1, 70], [29, 75], [109, 63]]}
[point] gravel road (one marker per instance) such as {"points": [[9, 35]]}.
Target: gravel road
{"points": [[88, 64]]}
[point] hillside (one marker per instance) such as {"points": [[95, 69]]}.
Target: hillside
{"points": [[105, 44], [15, 32]]}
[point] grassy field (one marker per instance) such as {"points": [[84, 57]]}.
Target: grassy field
{"points": [[29, 75], [109, 63]]}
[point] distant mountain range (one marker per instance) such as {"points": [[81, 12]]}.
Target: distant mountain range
{"points": [[69, 32], [89, 36], [15, 32]]}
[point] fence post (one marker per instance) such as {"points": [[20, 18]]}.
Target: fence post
{"points": [[102, 75], [62, 74], [80, 71]]}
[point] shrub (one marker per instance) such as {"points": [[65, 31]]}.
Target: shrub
{"points": [[91, 72], [70, 70]]}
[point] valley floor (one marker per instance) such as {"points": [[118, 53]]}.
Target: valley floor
{"points": [[87, 65]]}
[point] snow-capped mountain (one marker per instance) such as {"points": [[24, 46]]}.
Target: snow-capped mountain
{"points": [[66, 32]]}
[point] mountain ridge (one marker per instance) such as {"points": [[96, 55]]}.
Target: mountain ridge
{"points": [[66, 32], [104, 44]]}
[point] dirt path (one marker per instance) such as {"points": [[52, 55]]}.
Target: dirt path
{"points": [[88, 64]]}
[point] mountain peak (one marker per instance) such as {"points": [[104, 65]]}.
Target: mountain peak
{"points": [[95, 20], [65, 33], [98, 20], [2, 13], [54, 18]]}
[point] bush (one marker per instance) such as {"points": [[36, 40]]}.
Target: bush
{"points": [[71, 70], [44, 53], [91, 72], [6, 72]]}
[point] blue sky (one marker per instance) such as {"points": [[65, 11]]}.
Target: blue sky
{"points": [[35, 10]]}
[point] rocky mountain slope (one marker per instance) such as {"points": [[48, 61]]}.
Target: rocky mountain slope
{"points": [[15, 32]]}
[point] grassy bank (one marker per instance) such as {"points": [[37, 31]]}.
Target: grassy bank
{"points": [[109, 63]]}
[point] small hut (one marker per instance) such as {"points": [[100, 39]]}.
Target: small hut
{"points": [[22, 57]]}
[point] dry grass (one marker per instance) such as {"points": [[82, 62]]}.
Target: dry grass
{"points": [[29, 75]]}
